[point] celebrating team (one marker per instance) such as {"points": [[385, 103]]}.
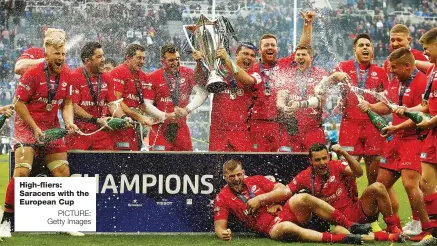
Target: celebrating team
{"points": [[269, 106]]}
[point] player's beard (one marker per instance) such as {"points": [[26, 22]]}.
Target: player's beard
{"points": [[56, 67], [237, 186]]}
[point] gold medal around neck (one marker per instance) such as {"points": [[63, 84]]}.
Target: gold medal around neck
{"points": [[49, 107]]}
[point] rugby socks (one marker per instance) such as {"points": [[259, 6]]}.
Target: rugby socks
{"points": [[332, 238], [393, 222], [384, 236], [339, 219], [431, 205]]}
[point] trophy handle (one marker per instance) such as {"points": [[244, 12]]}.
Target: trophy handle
{"points": [[188, 37]]}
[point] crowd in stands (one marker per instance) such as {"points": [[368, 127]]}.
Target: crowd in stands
{"points": [[116, 24]]}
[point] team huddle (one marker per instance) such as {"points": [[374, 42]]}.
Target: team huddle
{"points": [[272, 105]]}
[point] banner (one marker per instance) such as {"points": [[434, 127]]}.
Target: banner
{"points": [[166, 191]]}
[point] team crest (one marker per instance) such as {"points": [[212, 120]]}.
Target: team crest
{"points": [[374, 74], [253, 188], [76, 91]]}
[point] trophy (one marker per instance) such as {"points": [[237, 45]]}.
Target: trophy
{"points": [[208, 35]]}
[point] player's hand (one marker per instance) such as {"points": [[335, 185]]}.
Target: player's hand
{"points": [[226, 235], [389, 130], [72, 128], [288, 111], [7, 110], [180, 112], [425, 124], [400, 110], [103, 122], [129, 122], [197, 55], [338, 77], [39, 135], [274, 209], [171, 117], [363, 106], [222, 54], [293, 105], [308, 16], [338, 149], [252, 205], [146, 121]]}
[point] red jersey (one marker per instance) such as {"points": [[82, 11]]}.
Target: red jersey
{"points": [[33, 90], [376, 81], [32, 53], [335, 190], [231, 113], [132, 85], [264, 103], [412, 97], [159, 90], [432, 100], [302, 88], [286, 63], [82, 96], [418, 55], [227, 202]]}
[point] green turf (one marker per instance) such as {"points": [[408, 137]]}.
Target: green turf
{"points": [[179, 240]]}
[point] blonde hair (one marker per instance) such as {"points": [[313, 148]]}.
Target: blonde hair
{"points": [[53, 42], [399, 28], [57, 41]]}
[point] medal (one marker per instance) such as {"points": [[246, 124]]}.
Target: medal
{"points": [[232, 95], [267, 92], [49, 107], [424, 103]]}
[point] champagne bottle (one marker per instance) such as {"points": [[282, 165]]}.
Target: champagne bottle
{"points": [[53, 134], [116, 123], [417, 117], [377, 121], [4, 117], [2, 120]]}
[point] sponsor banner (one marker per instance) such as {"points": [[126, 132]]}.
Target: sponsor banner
{"points": [[166, 191]]}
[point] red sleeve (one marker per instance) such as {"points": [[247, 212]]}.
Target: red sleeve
{"points": [[340, 165], [149, 90], [221, 209], [146, 85], [111, 89], [75, 95], [32, 53], [266, 184], [384, 80], [27, 86], [118, 81], [298, 182], [337, 69], [258, 81]]}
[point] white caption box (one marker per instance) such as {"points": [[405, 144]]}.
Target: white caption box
{"points": [[55, 204]]}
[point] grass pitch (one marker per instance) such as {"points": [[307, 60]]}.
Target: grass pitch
{"points": [[30, 239]]}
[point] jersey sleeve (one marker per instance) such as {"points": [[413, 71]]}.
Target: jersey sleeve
{"points": [[149, 91], [32, 53], [74, 93], [118, 81], [110, 97], [298, 182], [266, 184], [221, 209], [26, 87]]}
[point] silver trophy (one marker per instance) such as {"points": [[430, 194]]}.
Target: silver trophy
{"points": [[207, 36]]}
